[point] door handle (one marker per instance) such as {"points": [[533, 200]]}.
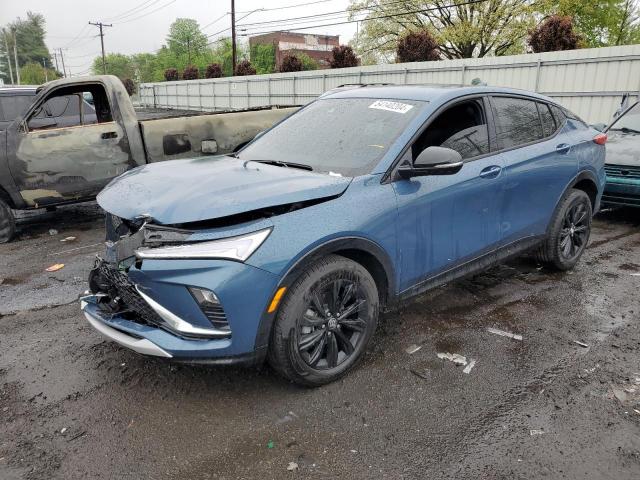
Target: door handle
{"points": [[563, 148], [107, 135], [491, 171]]}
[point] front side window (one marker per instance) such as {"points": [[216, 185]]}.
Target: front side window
{"points": [[347, 136], [517, 122], [629, 122], [461, 127], [68, 107]]}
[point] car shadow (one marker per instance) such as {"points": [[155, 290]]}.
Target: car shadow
{"points": [[80, 217]]}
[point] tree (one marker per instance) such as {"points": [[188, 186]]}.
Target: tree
{"points": [[291, 63], [553, 34], [244, 67], [214, 70], [263, 57], [600, 22], [461, 29], [308, 63], [186, 40], [29, 36], [191, 73], [417, 47], [117, 64], [129, 86], [171, 74], [343, 56], [35, 74]]}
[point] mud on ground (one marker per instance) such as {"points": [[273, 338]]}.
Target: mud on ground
{"points": [[73, 405]]}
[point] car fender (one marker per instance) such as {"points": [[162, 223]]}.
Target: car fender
{"points": [[320, 250]]}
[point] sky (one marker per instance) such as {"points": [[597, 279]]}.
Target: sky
{"points": [[142, 25]]}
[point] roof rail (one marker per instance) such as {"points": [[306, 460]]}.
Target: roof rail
{"points": [[360, 85]]}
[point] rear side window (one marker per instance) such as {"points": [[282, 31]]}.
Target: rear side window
{"points": [[12, 106], [548, 122], [517, 121], [558, 115]]}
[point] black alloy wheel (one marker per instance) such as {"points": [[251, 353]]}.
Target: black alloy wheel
{"points": [[568, 233], [324, 322], [333, 323], [575, 231]]}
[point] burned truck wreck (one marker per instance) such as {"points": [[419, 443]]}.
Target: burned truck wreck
{"points": [[78, 134]]}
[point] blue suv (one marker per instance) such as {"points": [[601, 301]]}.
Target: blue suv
{"points": [[291, 248]]}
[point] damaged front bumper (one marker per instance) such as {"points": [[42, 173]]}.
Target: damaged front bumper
{"points": [[150, 308]]}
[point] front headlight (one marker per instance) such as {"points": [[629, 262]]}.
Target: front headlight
{"points": [[233, 248]]}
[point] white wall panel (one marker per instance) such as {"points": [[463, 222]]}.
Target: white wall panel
{"points": [[590, 82]]}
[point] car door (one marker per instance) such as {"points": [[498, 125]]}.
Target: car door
{"points": [[57, 153], [446, 220], [539, 161]]}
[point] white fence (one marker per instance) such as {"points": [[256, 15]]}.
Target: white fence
{"points": [[589, 82]]}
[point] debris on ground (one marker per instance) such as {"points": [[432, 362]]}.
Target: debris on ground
{"points": [[270, 444], [413, 348], [69, 239], [53, 232], [292, 467], [453, 357], [502, 333], [582, 344], [55, 267], [63, 430], [536, 432], [469, 366], [289, 417]]}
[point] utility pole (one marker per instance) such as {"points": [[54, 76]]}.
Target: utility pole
{"points": [[15, 56], [44, 66], [189, 49], [233, 36], [55, 59], [6, 46], [64, 70], [100, 25]]}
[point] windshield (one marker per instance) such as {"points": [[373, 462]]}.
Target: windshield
{"points": [[629, 122], [346, 136]]}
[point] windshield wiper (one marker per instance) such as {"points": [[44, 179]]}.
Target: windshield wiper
{"points": [[626, 130], [280, 163]]}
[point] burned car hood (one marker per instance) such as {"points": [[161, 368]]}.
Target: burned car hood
{"points": [[623, 149], [192, 190]]}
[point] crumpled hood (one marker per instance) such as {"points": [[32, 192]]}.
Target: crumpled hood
{"points": [[623, 149], [191, 190]]}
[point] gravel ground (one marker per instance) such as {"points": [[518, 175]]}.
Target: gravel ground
{"points": [[73, 405]]}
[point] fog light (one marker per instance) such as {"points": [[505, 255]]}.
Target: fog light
{"points": [[211, 307]]}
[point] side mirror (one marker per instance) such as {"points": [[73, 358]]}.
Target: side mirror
{"points": [[599, 126], [433, 161]]}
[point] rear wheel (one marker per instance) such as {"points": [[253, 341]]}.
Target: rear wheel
{"points": [[7, 222], [325, 322], [569, 232]]}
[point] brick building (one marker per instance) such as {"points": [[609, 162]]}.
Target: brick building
{"points": [[315, 46]]}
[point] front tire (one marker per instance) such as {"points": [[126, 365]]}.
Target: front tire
{"points": [[7, 222], [569, 232], [325, 322]]}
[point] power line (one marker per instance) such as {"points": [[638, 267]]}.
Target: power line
{"points": [[334, 13], [134, 10], [147, 13], [294, 6], [215, 21], [470, 2]]}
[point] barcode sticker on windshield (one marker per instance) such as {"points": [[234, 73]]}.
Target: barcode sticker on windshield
{"points": [[391, 106]]}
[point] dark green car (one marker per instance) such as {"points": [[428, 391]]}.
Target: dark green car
{"points": [[623, 160]]}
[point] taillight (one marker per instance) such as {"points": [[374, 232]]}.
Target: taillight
{"points": [[600, 139]]}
